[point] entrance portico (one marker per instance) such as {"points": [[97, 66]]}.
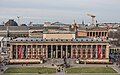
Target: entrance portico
{"points": [[59, 51]]}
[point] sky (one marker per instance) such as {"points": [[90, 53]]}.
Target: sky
{"points": [[65, 11]]}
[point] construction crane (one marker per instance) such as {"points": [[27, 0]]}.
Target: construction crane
{"points": [[93, 17]]}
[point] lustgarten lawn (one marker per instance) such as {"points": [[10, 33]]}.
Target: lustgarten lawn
{"points": [[90, 70], [31, 70]]}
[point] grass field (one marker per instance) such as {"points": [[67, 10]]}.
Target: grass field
{"points": [[90, 70], [31, 70]]}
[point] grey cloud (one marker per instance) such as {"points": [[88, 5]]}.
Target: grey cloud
{"points": [[66, 10]]}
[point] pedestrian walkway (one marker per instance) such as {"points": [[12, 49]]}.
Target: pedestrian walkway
{"points": [[4, 68], [62, 72], [116, 68]]}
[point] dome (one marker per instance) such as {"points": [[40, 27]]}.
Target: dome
{"points": [[11, 22], [23, 25]]}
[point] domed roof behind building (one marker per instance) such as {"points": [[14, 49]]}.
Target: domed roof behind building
{"points": [[11, 22], [57, 23], [23, 25]]}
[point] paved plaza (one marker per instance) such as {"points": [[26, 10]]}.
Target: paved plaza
{"points": [[115, 67], [59, 61]]}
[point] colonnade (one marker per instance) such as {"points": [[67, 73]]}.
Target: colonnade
{"points": [[97, 34], [59, 51]]}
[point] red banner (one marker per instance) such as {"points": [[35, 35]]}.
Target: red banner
{"points": [[19, 52], [99, 52]]}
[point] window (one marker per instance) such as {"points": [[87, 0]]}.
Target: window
{"points": [[87, 33], [8, 45]]}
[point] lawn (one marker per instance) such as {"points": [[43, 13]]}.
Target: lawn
{"points": [[90, 70], [31, 70]]}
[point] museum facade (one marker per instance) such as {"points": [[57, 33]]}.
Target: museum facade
{"points": [[53, 46]]}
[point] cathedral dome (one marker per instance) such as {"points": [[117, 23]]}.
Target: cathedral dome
{"points": [[11, 22]]}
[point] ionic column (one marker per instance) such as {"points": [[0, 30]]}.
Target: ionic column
{"points": [[26, 51], [86, 51], [61, 51], [106, 34], [91, 51], [92, 34], [96, 52], [41, 55], [95, 34], [51, 51], [71, 51], [81, 51], [56, 51], [16, 52], [66, 51], [103, 34], [107, 51], [98, 34], [22, 51], [101, 51], [36, 51], [76, 51], [11, 51], [31, 51], [46, 49]]}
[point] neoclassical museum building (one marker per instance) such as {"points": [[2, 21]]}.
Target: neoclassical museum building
{"points": [[56, 40]]}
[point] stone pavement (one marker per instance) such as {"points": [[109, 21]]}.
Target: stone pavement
{"points": [[4, 68], [116, 68]]}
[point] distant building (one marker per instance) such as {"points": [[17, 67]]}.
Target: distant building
{"points": [[57, 40]]}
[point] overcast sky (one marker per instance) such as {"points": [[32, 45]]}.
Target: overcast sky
{"points": [[39, 11]]}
